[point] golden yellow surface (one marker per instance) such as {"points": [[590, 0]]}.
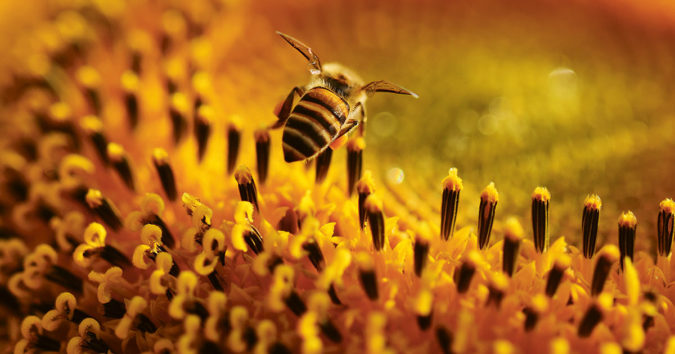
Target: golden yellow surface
{"points": [[575, 96]]}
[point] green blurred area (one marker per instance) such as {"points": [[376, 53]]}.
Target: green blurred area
{"points": [[569, 96]]}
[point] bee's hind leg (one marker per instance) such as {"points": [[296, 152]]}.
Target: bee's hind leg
{"points": [[362, 119], [283, 110], [357, 117]]}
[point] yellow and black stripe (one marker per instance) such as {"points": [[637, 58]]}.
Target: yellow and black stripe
{"points": [[313, 124]]}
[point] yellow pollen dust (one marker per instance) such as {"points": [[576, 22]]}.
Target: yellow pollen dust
{"points": [[593, 202], [180, 102], [667, 206], [160, 156], [94, 197], [129, 81], [91, 124], [206, 113], [60, 112], [88, 77], [563, 261], [243, 175], [115, 152], [373, 203], [513, 230], [356, 144], [627, 219], [452, 182], [610, 252], [366, 185], [490, 193], [542, 194], [499, 281], [539, 303]]}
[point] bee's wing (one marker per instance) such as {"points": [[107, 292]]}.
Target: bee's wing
{"points": [[304, 50], [386, 86]]}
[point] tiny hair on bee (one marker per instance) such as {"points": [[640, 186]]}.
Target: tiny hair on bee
{"points": [[321, 114]]}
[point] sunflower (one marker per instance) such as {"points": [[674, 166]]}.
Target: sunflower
{"points": [[146, 206]]}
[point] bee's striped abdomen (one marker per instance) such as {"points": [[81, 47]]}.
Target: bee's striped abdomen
{"points": [[313, 124]]}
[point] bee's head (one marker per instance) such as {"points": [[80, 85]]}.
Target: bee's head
{"points": [[340, 79]]}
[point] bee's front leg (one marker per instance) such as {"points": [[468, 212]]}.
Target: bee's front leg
{"points": [[283, 110]]}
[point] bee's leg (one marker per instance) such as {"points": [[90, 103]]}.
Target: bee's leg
{"points": [[356, 117], [284, 110], [361, 118]]}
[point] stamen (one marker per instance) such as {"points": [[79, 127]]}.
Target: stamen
{"points": [[444, 338], [665, 226], [365, 187], [355, 149], [152, 206], [330, 331], [130, 84], [93, 127], [94, 246], [486, 214], [497, 287], [314, 254], [247, 189], [452, 186], [540, 202], [136, 305], [60, 119], [89, 330], [289, 222], [589, 224], [333, 295], [160, 159], [177, 111], [262, 153], [594, 315], [606, 257], [32, 331], [90, 80], [423, 309], [627, 230], [323, 164], [254, 240], [555, 275], [104, 209], [421, 252], [373, 206], [465, 272], [513, 234], [203, 122], [367, 275], [534, 310], [649, 309], [233, 141], [318, 304], [120, 162], [295, 303]]}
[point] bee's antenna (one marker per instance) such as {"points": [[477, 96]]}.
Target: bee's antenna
{"points": [[305, 50], [386, 86]]}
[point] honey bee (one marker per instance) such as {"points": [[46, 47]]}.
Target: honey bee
{"points": [[319, 115]]}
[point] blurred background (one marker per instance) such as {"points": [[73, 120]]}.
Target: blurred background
{"points": [[576, 95]]}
